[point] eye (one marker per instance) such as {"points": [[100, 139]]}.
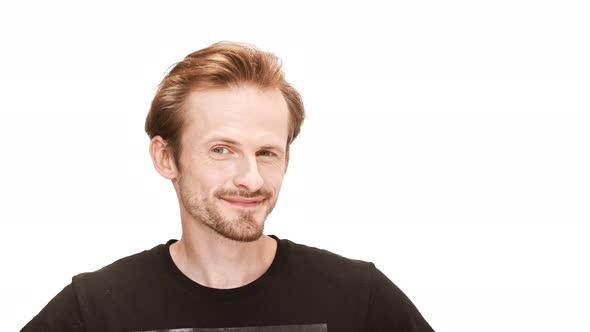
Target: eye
{"points": [[220, 150], [266, 153]]}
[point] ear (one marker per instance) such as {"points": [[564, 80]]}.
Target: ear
{"points": [[162, 158]]}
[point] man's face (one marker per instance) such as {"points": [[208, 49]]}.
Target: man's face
{"points": [[233, 158]]}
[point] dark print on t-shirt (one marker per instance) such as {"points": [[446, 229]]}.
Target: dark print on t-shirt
{"points": [[282, 328]]}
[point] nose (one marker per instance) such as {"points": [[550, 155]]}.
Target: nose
{"points": [[248, 176]]}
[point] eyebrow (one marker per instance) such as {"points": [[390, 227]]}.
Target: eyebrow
{"points": [[224, 140], [236, 143]]}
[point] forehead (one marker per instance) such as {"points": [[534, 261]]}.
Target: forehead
{"points": [[244, 113]]}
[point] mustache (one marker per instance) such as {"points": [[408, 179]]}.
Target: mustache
{"points": [[242, 193]]}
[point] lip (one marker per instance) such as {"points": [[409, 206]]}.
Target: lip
{"points": [[243, 202]]}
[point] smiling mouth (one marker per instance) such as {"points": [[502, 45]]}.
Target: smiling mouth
{"points": [[245, 203]]}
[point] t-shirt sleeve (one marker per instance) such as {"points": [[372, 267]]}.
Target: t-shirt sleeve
{"points": [[390, 309], [62, 313]]}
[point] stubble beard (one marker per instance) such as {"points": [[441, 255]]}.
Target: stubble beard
{"points": [[243, 228]]}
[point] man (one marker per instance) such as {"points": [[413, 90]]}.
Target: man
{"points": [[220, 125]]}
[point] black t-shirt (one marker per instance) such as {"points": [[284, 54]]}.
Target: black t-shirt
{"points": [[304, 289]]}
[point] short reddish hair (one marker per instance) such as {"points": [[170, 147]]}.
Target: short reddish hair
{"points": [[222, 64]]}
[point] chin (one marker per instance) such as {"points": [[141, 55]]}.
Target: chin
{"points": [[245, 226], [242, 235]]}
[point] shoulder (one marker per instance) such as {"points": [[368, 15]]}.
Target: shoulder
{"points": [[91, 292], [327, 265], [384, 305], [122, 273]]}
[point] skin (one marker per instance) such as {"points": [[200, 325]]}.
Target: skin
{"points": [[233, 159]]}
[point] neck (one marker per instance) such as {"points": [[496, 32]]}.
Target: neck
{"points": [[216, 262]]}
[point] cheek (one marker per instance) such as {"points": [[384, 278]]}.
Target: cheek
{"points": [[272, 175], [210, 179]]}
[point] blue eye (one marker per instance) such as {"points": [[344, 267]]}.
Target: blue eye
{"points": [[220, 150]]}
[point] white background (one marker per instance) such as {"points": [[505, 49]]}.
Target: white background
{"points": [[446, 141]]}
